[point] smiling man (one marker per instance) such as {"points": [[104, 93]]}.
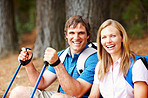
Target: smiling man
{"points": [[72, 84]]}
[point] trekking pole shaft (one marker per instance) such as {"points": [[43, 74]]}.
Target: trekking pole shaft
{"points": [[38, 81], [11, 81]]}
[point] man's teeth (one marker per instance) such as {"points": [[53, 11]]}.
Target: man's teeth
{"points": [[76, 42]]}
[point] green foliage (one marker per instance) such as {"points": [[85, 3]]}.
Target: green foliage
{"points": [[18, 26], [25, 15], [135, 17], [136, 30]]}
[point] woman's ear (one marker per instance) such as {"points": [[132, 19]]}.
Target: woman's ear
{"points": [[88, 37]]}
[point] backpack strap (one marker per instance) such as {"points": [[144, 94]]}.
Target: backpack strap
{"points": [[83, 57], [128, 77], [145, 61], [63, 55], [93, 45]]}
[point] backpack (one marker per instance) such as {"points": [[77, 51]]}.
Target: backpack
{"points": [[82, 57], [128, 77]]}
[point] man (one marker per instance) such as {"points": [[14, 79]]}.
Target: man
{"points": [[72, 84]]}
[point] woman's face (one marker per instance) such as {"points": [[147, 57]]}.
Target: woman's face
{"points": [[111, 40]]}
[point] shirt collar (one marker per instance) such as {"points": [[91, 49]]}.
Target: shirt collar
{"points": [[118, 61], [69, 54], [116, 64]]}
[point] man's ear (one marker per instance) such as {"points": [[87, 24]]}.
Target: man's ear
{"points": [[65, 36]]}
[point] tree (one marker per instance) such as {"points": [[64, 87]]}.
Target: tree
{"points": [[96, 11], [51, 16], [50, 26], [8, 35]]}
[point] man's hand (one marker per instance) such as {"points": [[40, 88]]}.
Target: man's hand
{"points": [[25, 54], [50, 55]]}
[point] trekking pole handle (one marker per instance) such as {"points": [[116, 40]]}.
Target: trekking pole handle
{"points": [[46, 63], [27, 61]]}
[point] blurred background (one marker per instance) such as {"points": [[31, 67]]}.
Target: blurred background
{"points": [[40, 23]]}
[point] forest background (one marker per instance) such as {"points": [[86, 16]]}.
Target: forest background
{"points": [[40, 23]]}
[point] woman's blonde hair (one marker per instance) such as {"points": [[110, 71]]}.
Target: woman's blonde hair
{"points": [[105, 58]]}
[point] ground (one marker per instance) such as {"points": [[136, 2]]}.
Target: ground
{"points": [[9, 64]]}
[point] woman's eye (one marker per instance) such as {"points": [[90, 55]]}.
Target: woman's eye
{"points": [[103, 37], [113, 35]]}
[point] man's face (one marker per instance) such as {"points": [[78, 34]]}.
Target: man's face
{"points": [[77, 38]]}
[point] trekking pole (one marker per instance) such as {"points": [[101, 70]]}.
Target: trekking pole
{"points": [[39, 78], [16, 72], [18, 68]]}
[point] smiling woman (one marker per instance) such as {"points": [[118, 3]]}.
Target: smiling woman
{"points": [[115, 63], [111, 40]]}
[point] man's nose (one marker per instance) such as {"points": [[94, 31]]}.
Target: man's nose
{"points": [[76, 36]]}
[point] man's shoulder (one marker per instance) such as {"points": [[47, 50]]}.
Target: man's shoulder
{"points": [[93, 57], [88, 57], [91, 52]]}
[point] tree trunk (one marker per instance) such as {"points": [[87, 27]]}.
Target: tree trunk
{"points": [[96, 11], [50, 26], [8, 35]]}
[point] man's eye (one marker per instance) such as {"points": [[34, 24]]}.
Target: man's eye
{"points": [[71, 32], [81, 32]]}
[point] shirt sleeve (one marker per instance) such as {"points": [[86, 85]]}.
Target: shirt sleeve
{"points": [[140, 72], [89, 70], [96, 76]]}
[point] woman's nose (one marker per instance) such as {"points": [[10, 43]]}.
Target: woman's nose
{"points": [[108, 39]]}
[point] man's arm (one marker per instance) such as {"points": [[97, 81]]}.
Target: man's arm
{"points": [[48, 77], [70, 85]]}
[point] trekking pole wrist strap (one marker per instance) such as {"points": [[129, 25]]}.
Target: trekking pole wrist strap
{"points": [[55, 63], [26, 62]]}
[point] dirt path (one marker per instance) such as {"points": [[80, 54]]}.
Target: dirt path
{"points": [[9, 64]]}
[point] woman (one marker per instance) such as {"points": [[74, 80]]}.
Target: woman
{"points": [[114, 64]]}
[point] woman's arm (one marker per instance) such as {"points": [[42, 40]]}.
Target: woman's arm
{"points": [[95, 92], [140, 89]]}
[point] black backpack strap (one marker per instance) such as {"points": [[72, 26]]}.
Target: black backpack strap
{"points": [[144, 61], [93, 45], [59, 88]]}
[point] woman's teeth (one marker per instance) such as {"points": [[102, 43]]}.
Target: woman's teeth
{"points": [[110, 46]]}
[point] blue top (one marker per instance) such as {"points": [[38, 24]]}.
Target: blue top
{"points": [[70, 65]]}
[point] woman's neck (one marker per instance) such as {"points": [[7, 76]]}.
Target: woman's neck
{"points": [[115, 57]]}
